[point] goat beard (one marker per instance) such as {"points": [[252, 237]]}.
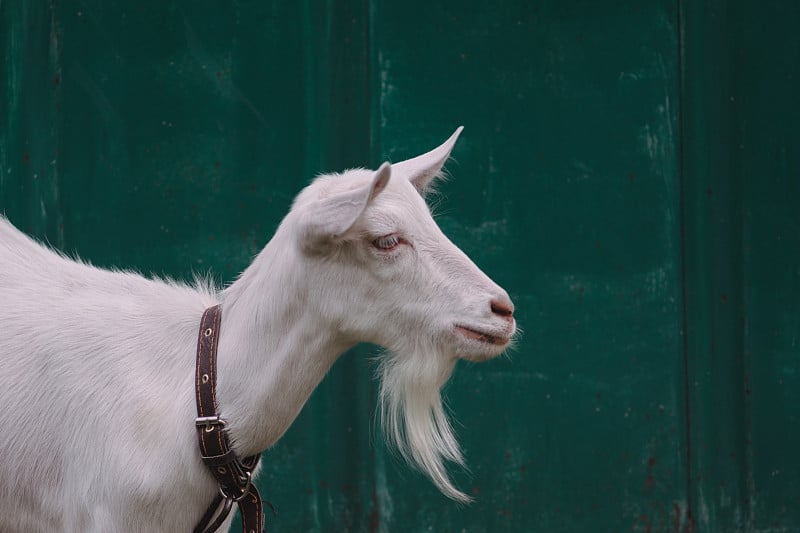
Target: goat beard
{"points": [[414, 420]]}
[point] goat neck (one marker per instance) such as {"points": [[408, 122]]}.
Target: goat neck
{"points": [[274, 347]]}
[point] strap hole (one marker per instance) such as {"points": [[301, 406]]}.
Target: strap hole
{"points": [[209, 428], [208, 332], [204, 378], [221, 470]]}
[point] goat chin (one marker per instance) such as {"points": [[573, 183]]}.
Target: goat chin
{"points": [[413, 417]]}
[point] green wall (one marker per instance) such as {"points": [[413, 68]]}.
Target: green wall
{"points": [[629, 171]]}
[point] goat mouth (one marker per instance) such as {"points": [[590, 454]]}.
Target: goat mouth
{"points": [[483, 337]]}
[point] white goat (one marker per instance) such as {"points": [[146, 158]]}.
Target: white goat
{"points": [[97, 376]]}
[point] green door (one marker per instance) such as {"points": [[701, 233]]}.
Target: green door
{"points": [[628, 171]]}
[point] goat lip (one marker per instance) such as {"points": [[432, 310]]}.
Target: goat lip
{"points": [[481, 336]]}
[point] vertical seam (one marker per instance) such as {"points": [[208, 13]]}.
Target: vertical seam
{"points": [[683, 261]]}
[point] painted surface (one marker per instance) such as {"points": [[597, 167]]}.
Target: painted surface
{"points": [[741, 191], [629, 171]]}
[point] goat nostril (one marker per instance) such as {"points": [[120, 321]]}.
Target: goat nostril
{"points": [[502, 308]]}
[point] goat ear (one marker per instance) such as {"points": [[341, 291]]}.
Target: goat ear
{"points": [[331, 218], [423, 169]]}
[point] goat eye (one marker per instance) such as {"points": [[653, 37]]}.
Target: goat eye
{"points": [[387, 242]]}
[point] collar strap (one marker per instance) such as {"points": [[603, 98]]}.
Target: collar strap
{"points": [[232, 474]]}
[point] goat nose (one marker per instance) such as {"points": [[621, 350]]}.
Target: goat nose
{"points": [[503, 307]]}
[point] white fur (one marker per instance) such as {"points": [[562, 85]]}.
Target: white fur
{"points": [[96, 380]]}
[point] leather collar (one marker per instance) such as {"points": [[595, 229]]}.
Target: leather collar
{"points": [[232, 474]]}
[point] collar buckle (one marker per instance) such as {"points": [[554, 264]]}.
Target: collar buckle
{"points": [[208, 422]]}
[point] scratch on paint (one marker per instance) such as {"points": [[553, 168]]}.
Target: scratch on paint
{"points": [[659, 144]]}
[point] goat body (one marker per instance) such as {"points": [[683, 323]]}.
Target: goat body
{"points": [[97, 373]]}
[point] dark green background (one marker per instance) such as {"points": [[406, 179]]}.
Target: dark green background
{"points": [[629, 171]]}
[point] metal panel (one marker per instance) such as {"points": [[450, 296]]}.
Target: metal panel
{"points": [[741, 187], [628, 171]]}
